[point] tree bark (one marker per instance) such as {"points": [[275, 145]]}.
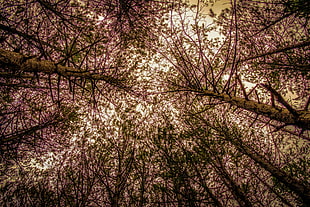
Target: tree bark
{"points": [[300, 188], [302, 119], [234, 188], [19, 62]]}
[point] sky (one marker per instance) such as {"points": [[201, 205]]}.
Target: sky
{"points": [[218, 6]]}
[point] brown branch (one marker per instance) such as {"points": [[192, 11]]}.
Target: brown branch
{"points": [[280, 99], [300, 188], [302, 119], [20, 62], [307, 104], [242, 88], [26, 36], [273, 23], [256, 118], [16, 136], [298, 45]]}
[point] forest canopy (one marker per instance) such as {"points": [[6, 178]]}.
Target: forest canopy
{"points": [[154, 103]]}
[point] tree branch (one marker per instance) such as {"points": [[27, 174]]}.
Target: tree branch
{"points": [[20, 62], [280, 99], [298, 45], [302, 119]]}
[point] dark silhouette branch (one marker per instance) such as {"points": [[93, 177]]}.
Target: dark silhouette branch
{"points": [[280, 99], [295, 46], [26, 36], [242, 88]]}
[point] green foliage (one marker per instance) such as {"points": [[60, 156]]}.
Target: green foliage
{"points": [[298, 7], [299, 168]]}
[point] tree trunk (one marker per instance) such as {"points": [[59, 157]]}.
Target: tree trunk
{"points": [[302, 119], [300, 188], [19, 62]]}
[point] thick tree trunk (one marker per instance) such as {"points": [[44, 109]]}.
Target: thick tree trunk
{"points": [[235, 189], [202, 182], [302, 119], [18, 62], [300, 188]]}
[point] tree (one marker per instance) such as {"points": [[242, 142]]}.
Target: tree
{"points": [[56, 55], [213, 76], [223, 74], [134, 103], [70, 47], [238, 155]]}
